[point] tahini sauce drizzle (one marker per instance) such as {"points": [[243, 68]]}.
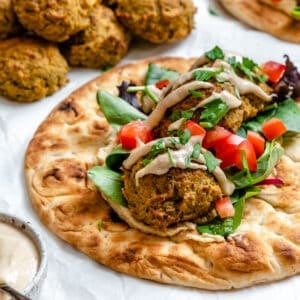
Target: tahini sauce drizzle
{"points": [[19, 257], [176, 93]]}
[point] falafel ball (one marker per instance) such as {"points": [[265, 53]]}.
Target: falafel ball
{"points": [[30, 69], [8, 20], [177, 196], [157, 21], [103, 43], [54, 20]]}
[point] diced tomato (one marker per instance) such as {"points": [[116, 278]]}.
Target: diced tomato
{"points": [[250, 156], [215, 137], [273, 128], [194, 128], [162, 83], [274, 70], [224, 207], [133, 132], [257, 141], [227, 148]]}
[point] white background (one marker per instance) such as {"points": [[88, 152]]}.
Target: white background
{"points": [[71, 275]]}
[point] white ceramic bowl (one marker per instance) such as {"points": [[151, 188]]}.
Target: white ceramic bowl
{"points": [[33, 289]]}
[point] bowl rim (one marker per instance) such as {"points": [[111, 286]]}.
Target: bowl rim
{"points": [[36, 238]]}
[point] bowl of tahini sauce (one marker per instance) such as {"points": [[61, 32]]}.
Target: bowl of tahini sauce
{"points": [[23, 257]]}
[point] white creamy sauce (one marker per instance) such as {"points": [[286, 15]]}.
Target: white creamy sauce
{"points": [[19, 258], [243, 85], [177, 124], [162, 163], [225, 96]]}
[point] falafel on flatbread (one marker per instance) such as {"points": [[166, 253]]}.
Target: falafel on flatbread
{"points": [[66, 145], [279, 18]]}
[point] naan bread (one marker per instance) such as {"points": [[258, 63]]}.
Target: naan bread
{"points": [[265, 17], [266, 247]]}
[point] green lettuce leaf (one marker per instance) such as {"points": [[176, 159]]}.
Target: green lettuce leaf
{"points": [[156, 73], [109, 182], [117, 111]]}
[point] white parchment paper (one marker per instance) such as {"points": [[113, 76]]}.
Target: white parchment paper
{"points": [[71, 275]]}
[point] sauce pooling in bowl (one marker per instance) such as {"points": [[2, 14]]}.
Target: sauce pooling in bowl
{"points": [[19, 257]]}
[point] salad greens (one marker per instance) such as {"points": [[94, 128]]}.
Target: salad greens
{"points": [[109, 182], [205, 75], [211, 161], [287, 111], [115, 159], [116, 110], [265, 165], [227, 226], [156, 73]]}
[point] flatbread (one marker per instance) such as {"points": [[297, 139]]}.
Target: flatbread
{"points": [[265, 18], [266, 247]]}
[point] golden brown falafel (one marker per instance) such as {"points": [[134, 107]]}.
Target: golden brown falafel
{"points": [[179, 195], [157, 21], [31, 69], [54, 20], [8, 20], [103, 43]]}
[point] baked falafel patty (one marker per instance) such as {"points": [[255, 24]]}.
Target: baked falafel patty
{"points": [[157, 21], [54, 20], [177, 196], [8, 20], [103, 43], [31, 69]]}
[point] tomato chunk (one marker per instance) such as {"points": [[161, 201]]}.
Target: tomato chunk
{"points": [[215, 137], [250, 156], [274, 70], [226, 150], [224, 207], [257, 141], [194, 128], [132, 133], [273, 128], [162, 83]]}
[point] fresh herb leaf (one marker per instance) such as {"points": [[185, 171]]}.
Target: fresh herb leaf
{"points": [[249, 63], [99, 225], [106, 68], [187, 161], [157, 148], [211, 161], [265, 165], [196, 151], [184, 136], [109, 182], [115, 159], [205, 75], [178, 114], [224, 227], [296, 12], [213, 112], [196, 94], [212, 11], [116, 110], [156, 73], [215, 53], [171, 158]]}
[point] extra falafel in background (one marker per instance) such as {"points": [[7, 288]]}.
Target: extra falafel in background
{"points": [[54, 20], [31, 69], [8, 20], [103, 43], [157, 21]]}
